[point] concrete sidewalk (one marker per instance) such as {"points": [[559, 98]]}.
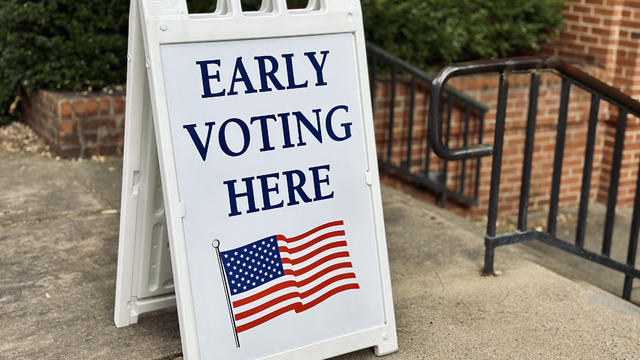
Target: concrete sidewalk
{"points": [[59, 232]]}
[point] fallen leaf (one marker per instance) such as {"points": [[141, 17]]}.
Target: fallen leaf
{"points": [[14, 104]]}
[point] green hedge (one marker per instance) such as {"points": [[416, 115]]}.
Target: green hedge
{"points": [[77, 45], [60, 45], [436, 32]]}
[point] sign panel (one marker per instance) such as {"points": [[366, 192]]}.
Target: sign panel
{"points": [[270, 156], [270, 196]]}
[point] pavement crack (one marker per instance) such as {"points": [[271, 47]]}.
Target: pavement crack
{"points": [[503, 299], [444, 289], [71, 215], [440, 280], [84, 182]]}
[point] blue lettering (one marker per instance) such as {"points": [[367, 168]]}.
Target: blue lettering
{"points": [[266, 145], [295, 181], [202, 149], [266, 199], [206, 84], [318, 67], [222, 137], [317, 181], [290, 75], [346, 126], [268, 75], [315, 131], [233, 196], [244, 78], [295, 188], [286, 134]]}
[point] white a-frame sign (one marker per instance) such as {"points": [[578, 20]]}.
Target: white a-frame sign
{"points": [[268, 220]]}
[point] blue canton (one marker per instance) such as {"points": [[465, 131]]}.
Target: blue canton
{"points": [[252, 265]]}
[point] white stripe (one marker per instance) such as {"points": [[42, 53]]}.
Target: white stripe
{"points": [[290, 289], [312, 236], [260, 288], [310, 249], [299, 278], [293, 301], [317, 257]]}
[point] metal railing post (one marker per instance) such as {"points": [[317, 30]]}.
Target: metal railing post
{"points": [[496, 166]]}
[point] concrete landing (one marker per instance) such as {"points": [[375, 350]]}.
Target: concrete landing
{"points": [[58, 236]]}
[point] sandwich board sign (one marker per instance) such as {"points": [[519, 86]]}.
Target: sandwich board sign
{"points": [[251, 197]]}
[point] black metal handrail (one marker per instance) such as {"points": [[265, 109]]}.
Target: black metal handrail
{"points": [[377, 51], [526, 64], [470, 109], [599, 91]]}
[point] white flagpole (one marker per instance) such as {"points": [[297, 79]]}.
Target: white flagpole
{"points": [[216, 245]]}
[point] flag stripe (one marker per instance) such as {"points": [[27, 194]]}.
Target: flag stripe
{"points": [[290, 283], [316, 264], [296, 261], [314, 230], [323, 272], [294, 294], [326, 283], [264, 293], [310, 243], [297, 307], [268, 304], [284, 303]]}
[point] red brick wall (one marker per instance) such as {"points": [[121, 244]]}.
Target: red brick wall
{"points": [[605, 33], [77, 125]]}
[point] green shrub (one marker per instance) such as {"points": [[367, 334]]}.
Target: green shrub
{"points": [[60, 45], [436, 32], [75, 45]]}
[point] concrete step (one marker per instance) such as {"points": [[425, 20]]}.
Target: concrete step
{"points": [[576, 268]]}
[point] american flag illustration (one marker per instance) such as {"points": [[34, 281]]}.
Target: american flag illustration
{"points": [[278, 274]]}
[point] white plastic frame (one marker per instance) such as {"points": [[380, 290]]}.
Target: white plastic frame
{"points": [[157, 22]]}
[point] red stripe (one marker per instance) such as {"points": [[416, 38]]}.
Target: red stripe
{"points": [[315, 252], [316, 229], [326, 283], [287, 284], [264, 293], [329, 294], [267, 305], [292, 295], [296, 307], [317, 263], [266, 318], [311, 243], [290, 283], [323, 272]]}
